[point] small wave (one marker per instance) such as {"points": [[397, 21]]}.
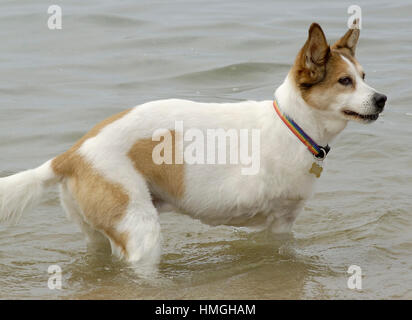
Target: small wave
{"points": [[229, 72], [234, 77], [111, 20]]}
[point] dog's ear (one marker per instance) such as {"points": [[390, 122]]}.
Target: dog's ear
{"points": [[312, 59], [349, 40]]}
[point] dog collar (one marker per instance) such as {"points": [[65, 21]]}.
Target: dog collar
{"points": [[318, 151]]}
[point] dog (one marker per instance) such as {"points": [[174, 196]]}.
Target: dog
{"points": [[113, 188]]}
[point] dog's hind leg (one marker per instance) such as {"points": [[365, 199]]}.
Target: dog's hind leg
{"points": [[132, 227], [94, 238], [118, 206], [142, 227]]}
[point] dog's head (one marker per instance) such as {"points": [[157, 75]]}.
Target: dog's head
{"points": [[332, 80]]}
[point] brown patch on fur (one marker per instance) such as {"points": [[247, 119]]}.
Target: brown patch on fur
{"points": [[345, 52], [322, 94], [318, 80], [103, 202], [169, 177]]}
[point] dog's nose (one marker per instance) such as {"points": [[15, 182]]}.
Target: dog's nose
{"points": [[379, 99]]}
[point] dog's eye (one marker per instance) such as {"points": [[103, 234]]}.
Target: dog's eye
{"points": [[363, 75], [345, 81]]}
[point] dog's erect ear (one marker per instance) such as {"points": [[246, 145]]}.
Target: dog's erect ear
{"points": [[316, 48], [313, 56], [349, 40]]}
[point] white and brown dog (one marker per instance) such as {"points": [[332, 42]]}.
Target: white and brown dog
{"points": [[111, 186]]}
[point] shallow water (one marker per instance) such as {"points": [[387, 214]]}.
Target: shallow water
{"points": [[110, 55]]}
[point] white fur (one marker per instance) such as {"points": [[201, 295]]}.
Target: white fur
{"points": [[24, 190], [361, 101]]}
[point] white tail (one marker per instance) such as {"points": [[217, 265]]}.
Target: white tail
{"points": [[24, 190]]}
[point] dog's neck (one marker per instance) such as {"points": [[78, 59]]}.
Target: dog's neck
{"points": [[318, 124]]}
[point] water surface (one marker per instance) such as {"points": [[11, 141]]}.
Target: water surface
{"points": [[111, 55]]}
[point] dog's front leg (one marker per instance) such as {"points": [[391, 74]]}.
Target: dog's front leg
{"points": [[282, 219]]}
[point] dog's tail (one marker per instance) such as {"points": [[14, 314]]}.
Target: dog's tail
{"points": [[22, 191]]}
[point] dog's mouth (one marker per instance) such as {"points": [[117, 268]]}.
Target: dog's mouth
{"points": [[363, 117]]}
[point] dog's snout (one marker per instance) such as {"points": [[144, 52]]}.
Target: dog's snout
{"points": [[379, 100]]}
